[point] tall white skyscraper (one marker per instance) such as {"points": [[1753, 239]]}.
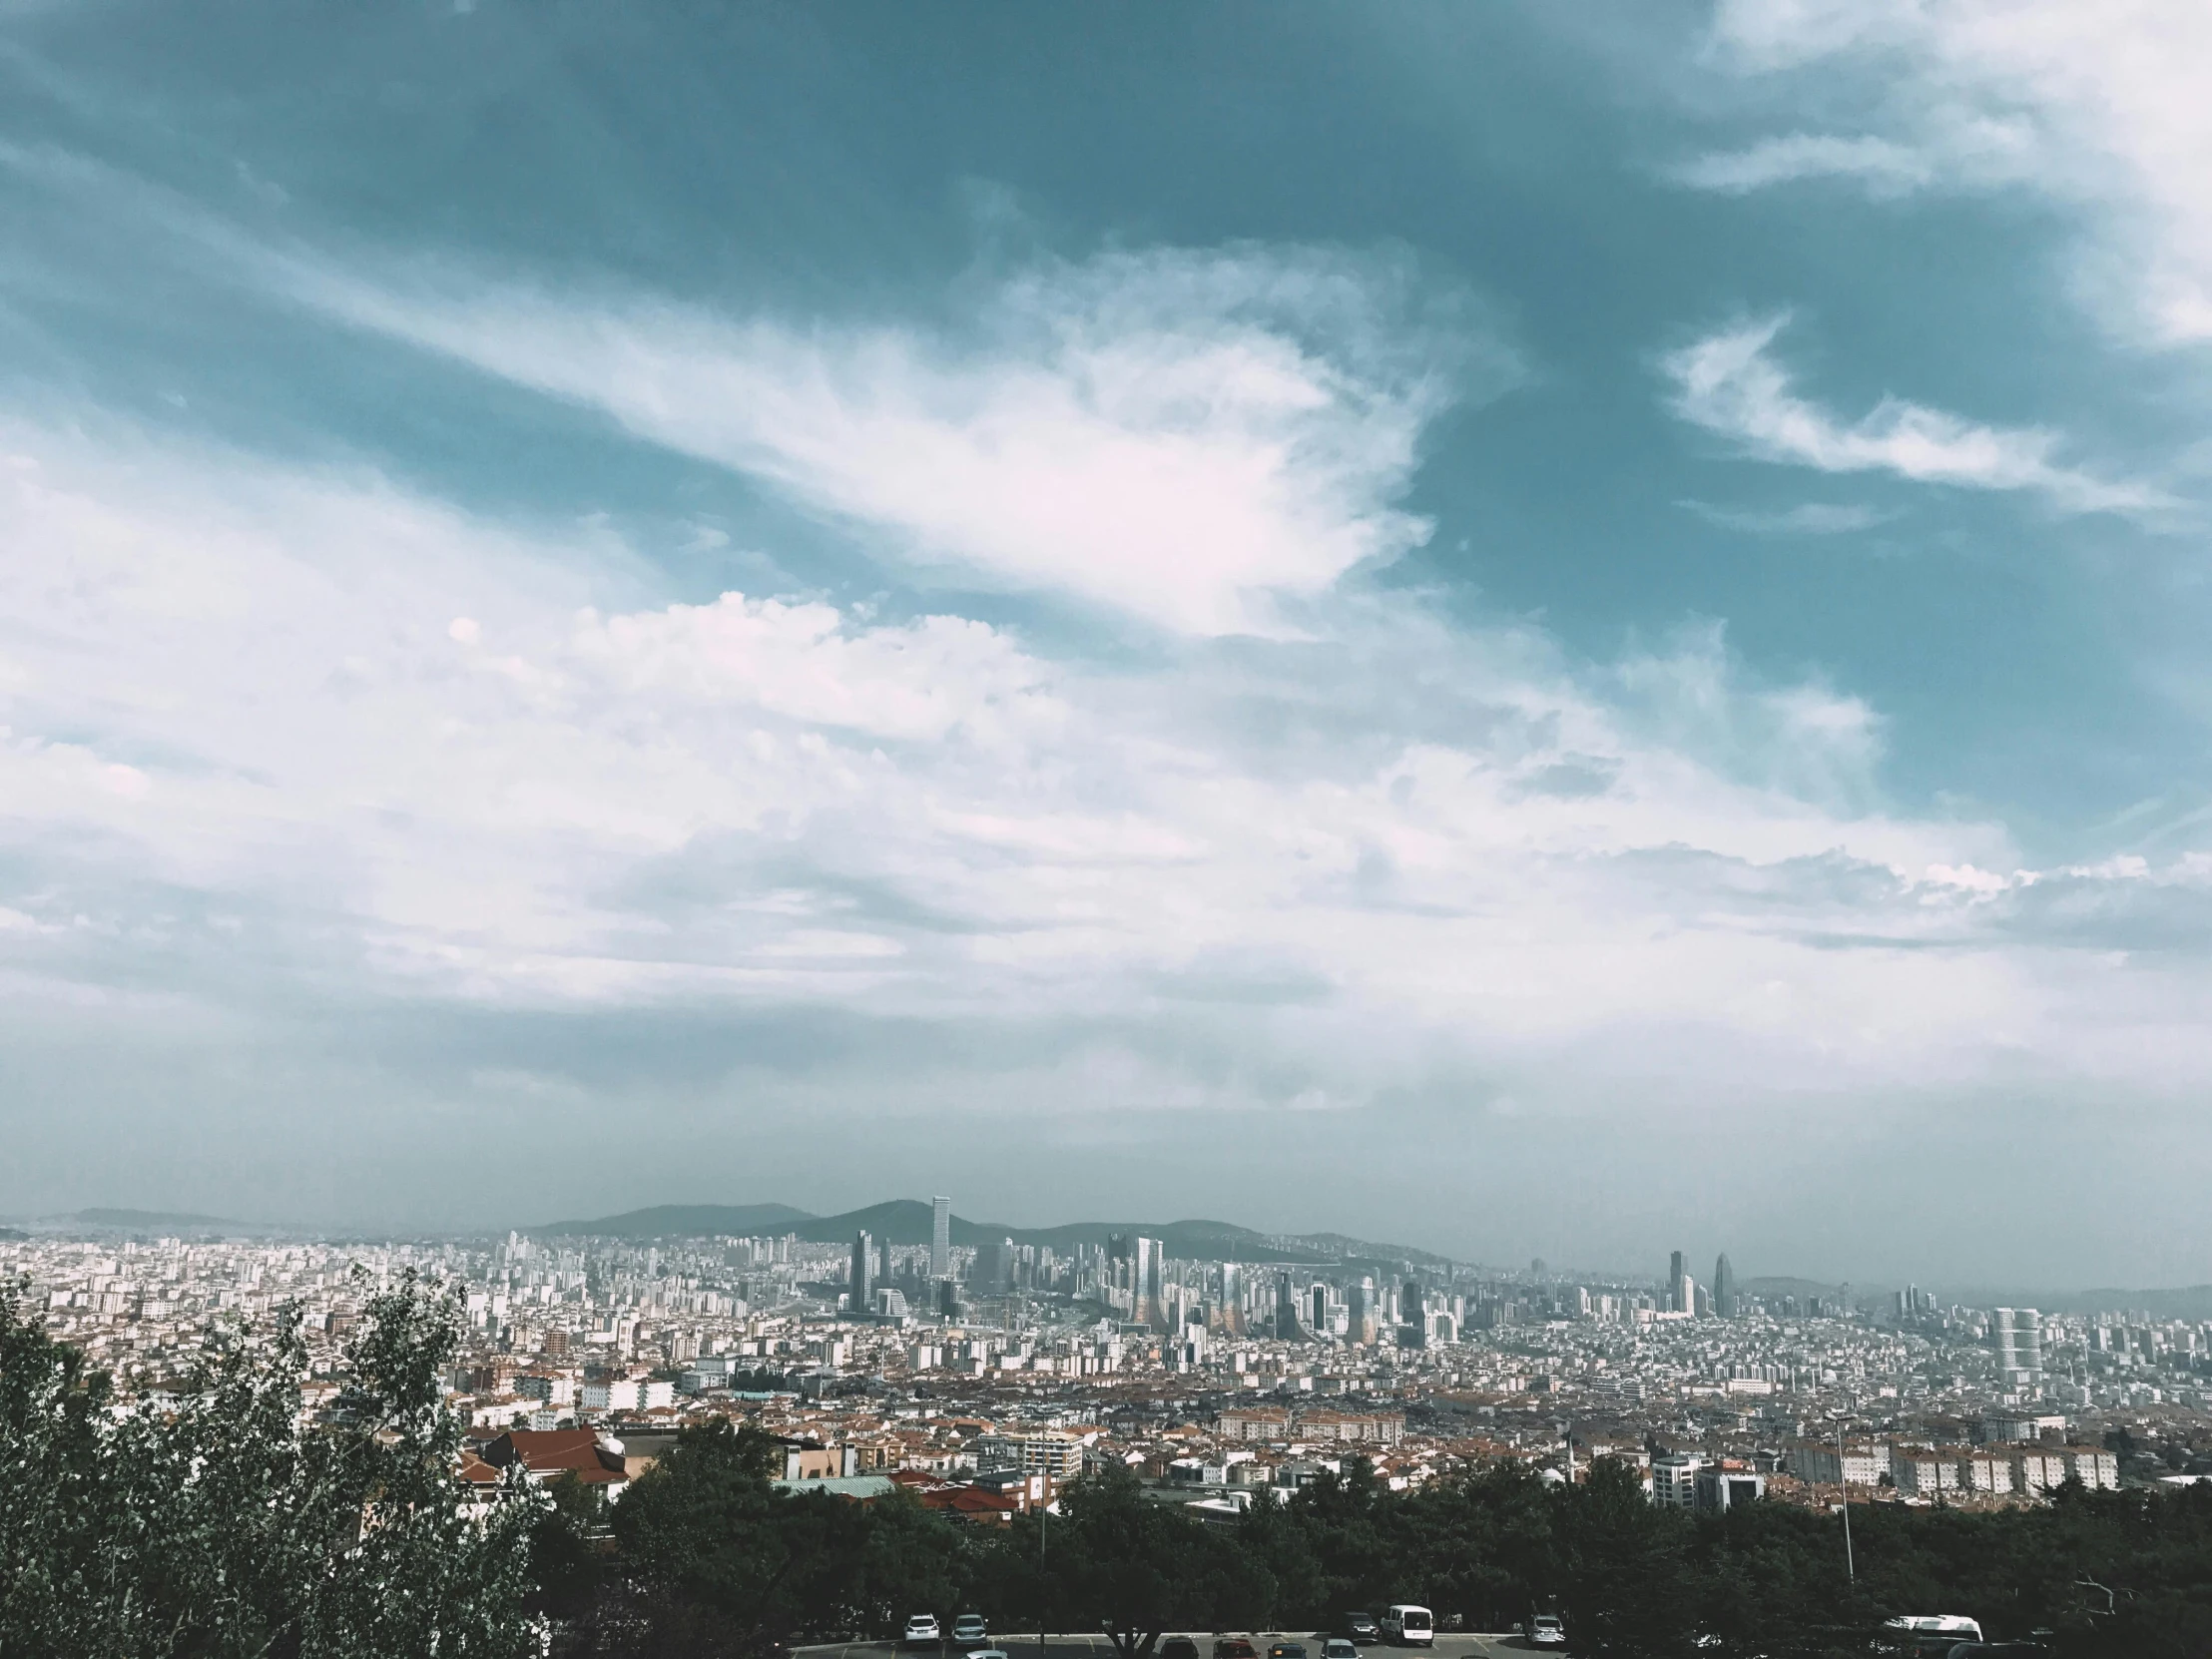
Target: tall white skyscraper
{"points": [[2019, 1343], [940, 1237]]}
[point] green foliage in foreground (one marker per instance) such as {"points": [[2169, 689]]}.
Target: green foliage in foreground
{"points": [[211, 1523], [711, 1561]]}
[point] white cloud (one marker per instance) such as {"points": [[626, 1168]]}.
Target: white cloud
{"points": [[1730, 383], [2102, 106], [1807, 518], [1190, 439], [1882, 166], [902, 869], [597, 799]]}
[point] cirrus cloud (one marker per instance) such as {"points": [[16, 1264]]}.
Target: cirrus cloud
{"points": [[2100, 106], [1730, 383], [1197, 439]]}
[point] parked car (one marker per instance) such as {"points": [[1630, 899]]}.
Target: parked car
{"points": [[1179, 1647], [1931, 1632], [1286, 1650], [1338, 1648], [1234, 1648], [969, 1630], [1544, 1630], [1360, 1627], [922, 1631], [1406, 1626]]}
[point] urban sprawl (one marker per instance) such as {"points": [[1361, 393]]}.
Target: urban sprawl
{"points": [[983, 1376]]}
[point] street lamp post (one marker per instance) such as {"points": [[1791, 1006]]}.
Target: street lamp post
{"points": [[1842, 1486]]}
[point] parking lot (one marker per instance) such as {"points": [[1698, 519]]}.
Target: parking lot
{"points": [[1449, 1645]]}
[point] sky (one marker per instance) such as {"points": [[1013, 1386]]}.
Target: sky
{"points": [[1536, 631]]}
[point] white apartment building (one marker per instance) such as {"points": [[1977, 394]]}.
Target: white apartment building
{"points": [[1860, 1466], [2037, 1471], [2093, 1466], [1674, 1479], [630, 1394], [1922, 1472], [1057, 1454]]}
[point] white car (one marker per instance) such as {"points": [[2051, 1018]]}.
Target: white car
{"points": [[922, 1631], [1545, 1630]]}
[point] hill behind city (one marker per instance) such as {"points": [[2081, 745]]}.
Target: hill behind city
{"points": [[907, 1221]]}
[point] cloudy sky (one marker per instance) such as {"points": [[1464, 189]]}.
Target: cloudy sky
{"points": [[1569, 634]]}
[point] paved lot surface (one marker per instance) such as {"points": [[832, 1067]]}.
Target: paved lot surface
{"points": [[1019, 1646]]}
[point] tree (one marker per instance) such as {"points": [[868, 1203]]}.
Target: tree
{"points": [[1626, 1585], [722, 1561], [214, 1523], [1131, 1567], [52, 1515]]}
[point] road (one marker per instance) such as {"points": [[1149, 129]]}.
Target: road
{"points": [[1019, 1646]]}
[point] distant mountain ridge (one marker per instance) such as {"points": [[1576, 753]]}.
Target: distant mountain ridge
{"points": [[141, 1221], [2189, 1302], [908, 1221], [673, 1221]]}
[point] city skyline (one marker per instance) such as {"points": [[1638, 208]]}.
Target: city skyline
{"points": [[872, 1231], [1543, 633]]}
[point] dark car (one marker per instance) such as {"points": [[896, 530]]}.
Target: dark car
{"points": [[1179, 1647], [1360, 1627], [1286, 1650], [1234, 1647]]}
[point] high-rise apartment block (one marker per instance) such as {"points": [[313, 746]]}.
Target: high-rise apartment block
{"points": [[1147, 1262], [863, 1274], [2018, 1334], [940, 1237], [1362, 1324]]}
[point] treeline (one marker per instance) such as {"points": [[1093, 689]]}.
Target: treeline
{"points": [[705, 1557], [210, 1520]]}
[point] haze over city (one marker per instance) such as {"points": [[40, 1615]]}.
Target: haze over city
{"points": [[1516, 632]]}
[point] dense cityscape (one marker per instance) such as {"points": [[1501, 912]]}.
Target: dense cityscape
{"points": [[985, 1375]]}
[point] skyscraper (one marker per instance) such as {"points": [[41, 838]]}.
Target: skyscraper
{"points": [[1285, 1309], [1362, 1321], [1146, 1259], [863, 1274], [1232, 1299], [993, 1271], [940, 1237], [1724, 1287], [1681, 1287], [2019, 1343]]}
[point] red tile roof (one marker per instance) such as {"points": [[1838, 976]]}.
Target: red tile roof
{"points": [[551, 1453]]}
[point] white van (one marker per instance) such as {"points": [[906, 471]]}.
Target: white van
{"points": [[1408, 1626], [1932, 1632]]}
